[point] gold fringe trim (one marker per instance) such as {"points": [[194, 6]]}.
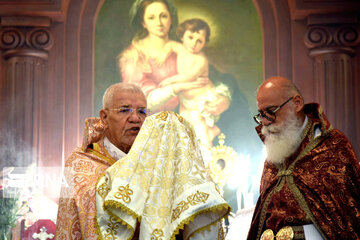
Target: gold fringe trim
{"points": [[206, 228], [124, 223], [97, 227], [191, 219], [113, 203]]}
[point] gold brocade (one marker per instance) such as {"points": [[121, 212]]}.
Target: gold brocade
{"points": [[285, 233], [157, 234], [268, 234], [77, 207], [196, 198], [162, 181], [124, 193], [103, 190]]}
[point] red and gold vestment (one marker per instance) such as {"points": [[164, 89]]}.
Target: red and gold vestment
{"points": [[318, 184], [77, 208]]}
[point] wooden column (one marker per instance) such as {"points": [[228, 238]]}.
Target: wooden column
{"points": [[332, 46], [24, 42]]}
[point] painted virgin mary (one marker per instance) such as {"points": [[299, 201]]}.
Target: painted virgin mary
{"points": [[150, 59]]}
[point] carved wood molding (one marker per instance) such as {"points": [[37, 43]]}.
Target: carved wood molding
{"points": [[276, 28], [300, 9], [332, 39], [54, 9], [25, 21], [333, 42], [27, 2], [21, 41]]}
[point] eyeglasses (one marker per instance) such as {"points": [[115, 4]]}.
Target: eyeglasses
{"points": [[269, 113], [142, 112]]}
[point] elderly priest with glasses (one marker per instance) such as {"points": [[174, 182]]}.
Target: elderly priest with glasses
{"points": [[138, 179], [106, 139], [310, 185]]}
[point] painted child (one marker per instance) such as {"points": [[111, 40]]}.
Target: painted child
{"points": [[192, 65]]}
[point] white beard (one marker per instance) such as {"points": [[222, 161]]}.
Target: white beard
{"points": [[282, 141]]}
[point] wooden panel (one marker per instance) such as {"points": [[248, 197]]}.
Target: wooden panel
{"points": [[355, 126], [54, 9], [302, 62], [24, 89], [87, 39], [24, 21], [79, 72], [27, 2], [283, 36], [24, 78], [276, 29], [71, 91], [300, 9], [52, 103]]}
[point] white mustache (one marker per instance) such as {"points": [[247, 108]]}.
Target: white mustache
{"points": [[282, 140]]}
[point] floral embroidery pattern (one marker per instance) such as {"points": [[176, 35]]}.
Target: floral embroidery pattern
{"points": [[157, 234], [124, 193], [181, 119], [103, 190], [162, 115], [193, 199], [83, 166]]}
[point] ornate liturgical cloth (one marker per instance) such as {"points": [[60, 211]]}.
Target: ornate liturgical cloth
{"points": [[161, 185]]}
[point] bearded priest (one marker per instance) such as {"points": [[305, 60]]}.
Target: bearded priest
{"points": [[310, 182]]}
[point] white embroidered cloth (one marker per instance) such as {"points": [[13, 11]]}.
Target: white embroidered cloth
{"points": [[162, 183]]}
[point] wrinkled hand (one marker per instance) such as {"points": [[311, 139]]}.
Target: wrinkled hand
{"points": [[218, 106]]}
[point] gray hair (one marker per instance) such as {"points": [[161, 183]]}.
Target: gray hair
{"points": [[119, 87], [290, 89]]}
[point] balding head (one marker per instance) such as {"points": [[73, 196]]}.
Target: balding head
{"points": [[274, 92], [278, 87]]}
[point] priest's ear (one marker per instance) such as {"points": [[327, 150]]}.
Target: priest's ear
{"points": [[299, 103], [104, 115]]}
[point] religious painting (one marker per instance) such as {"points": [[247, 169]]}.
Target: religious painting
{"points": [[201, 59]]}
